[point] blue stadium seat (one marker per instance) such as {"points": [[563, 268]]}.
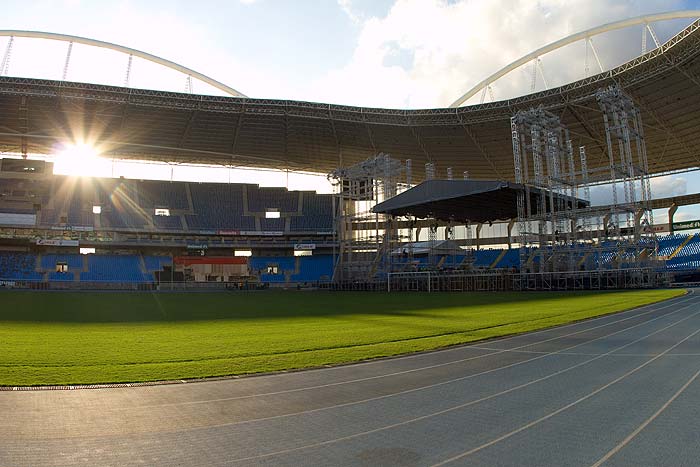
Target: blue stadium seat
{"points": [[115, 268], [314, 268], [18, 266]]}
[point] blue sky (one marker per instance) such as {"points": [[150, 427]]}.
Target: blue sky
{"points": [[379, 53]]}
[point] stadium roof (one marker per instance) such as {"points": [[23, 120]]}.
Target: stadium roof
{"points": [[35, 115], [460, 200]]}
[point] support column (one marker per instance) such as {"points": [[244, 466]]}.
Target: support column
{"points": [[511, 223], [671, 212], [638, 214], [478, 234], [606, 221]]}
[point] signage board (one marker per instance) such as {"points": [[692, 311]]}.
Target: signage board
{"points": [[73, 228], [8, 218], [686, 225], [262, 233], [56, 242]]}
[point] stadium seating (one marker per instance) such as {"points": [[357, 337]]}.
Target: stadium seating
{"points": [[259, 265], [167, 222], [120, 209], [688, 258], [314, 268], [511, 259], [48, 262], [484, 258], [156, 194], [317, 214], [218, 206], [272, 224], [261, 199], [669, 243], [156, 263], [115, 268], [18, 266], [290, 270], [131, 204]]}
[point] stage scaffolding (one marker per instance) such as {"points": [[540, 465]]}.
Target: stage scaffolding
{"points": [[557, 236], [366, 239], [564, 243], [504, 281]]}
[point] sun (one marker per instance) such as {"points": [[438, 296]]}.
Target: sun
{"points": [[81, 159]]}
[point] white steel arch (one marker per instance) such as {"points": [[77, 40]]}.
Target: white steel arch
{"points": [[126, 50], [583, 35]]}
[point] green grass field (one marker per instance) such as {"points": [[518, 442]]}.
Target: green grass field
{"points": [[70, 338]]}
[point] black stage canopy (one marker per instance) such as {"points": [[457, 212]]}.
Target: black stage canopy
{"points": [[463, 200]]}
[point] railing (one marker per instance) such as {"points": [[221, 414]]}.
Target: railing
{"points": [[155, 286], [685, 285]]}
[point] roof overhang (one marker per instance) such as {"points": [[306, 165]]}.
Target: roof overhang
{"points": [[36, 115], [476, 201]]}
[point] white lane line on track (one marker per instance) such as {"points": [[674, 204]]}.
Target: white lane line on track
{"points": [[423, 368], [668, 302], [646, 422], [584, 354], [564, 408], [450, 409]]}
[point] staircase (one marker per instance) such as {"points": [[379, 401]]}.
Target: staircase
{"points": [[498, 259], [681, 246], [583, 259]]}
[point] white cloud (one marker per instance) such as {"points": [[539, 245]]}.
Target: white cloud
{"points": [[454, 45], [669, 186], [422, 53], [347, 7], [158, 32]]}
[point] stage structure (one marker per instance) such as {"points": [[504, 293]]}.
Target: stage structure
{"points": [[563, 242], [366, 239], [557, 237]]}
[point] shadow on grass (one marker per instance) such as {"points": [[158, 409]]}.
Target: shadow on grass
{"points": [[123, 307]]}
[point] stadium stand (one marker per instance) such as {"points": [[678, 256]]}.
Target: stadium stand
{"points": [[262, 199], [155, 194], [131, 205], [48, 262], [188, 209], [218, 206], [115, 268], [120, 209], [484, 258], [511, 259], [156, 263], [685, 253], [261, 265], [283, 269], [317, 213], [313, 268], [18, 266]]}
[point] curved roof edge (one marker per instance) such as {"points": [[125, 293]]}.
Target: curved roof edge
{"points": [[570, 39], [127, 50]]}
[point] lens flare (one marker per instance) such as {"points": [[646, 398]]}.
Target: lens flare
{"points": [[81, 159]]}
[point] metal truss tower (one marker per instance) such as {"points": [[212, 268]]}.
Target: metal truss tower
{"points": [[366, 239], [559, 234], [624, 134], [544, 165]]}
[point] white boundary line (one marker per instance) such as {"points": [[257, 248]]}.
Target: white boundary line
{"points": [[566, 407], [473, 402], [429, 367], [646, 423]]}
